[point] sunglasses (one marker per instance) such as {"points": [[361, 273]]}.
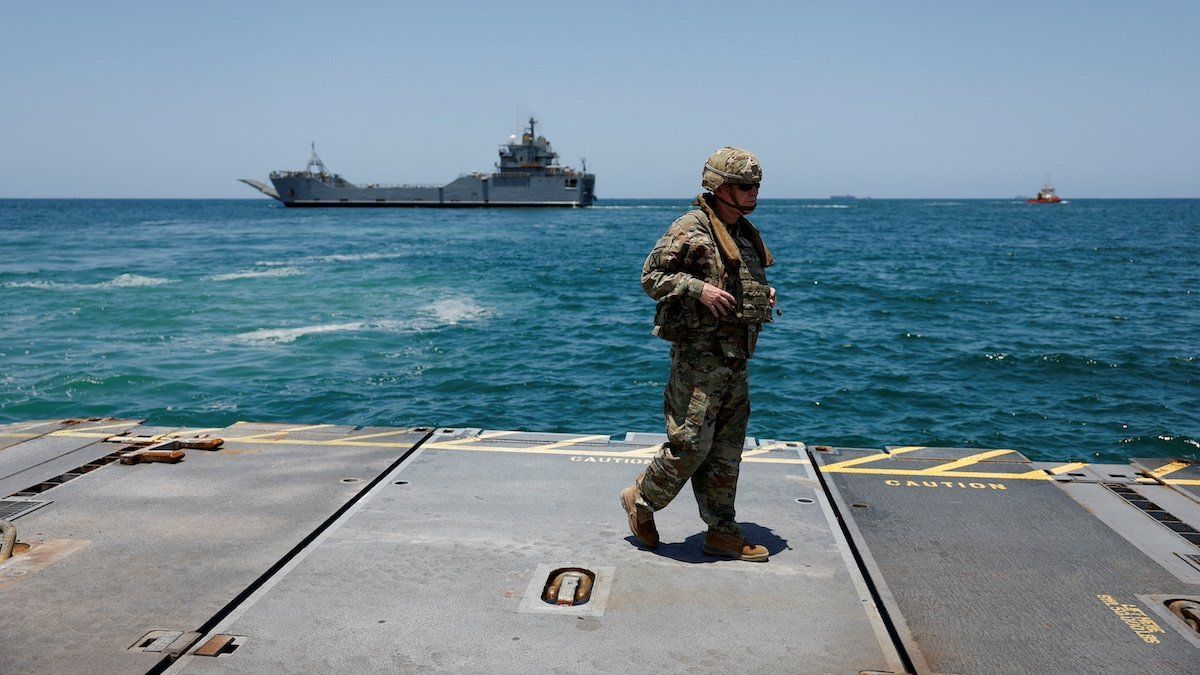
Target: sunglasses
{"points": [[747, 187]]}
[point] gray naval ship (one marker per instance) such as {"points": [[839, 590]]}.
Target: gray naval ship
{"points": [[526, 175]]}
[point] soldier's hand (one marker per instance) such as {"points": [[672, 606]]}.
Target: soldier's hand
{"points": [[772, 296], [716, 300]]}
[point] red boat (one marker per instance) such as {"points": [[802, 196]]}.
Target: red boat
{"points": [[1046, 196]]}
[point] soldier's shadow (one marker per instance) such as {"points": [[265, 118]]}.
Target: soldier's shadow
{"points": [[690, 550]]}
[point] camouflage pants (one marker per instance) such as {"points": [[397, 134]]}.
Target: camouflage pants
{"points": [[707, 406]]}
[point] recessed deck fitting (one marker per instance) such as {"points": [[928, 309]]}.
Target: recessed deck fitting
{"points": [[573, 590]]}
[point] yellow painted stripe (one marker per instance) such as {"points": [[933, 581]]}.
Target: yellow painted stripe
{"points": [[296, 441], [547, 450], [873, 458], [1183, 481], [1169, 469], [255, 439], [572, 441], [192, 432], [1067, 468], [339, 441], [1036, 474], [281, 432], [965, 461], [648, 451], [450, 445]]}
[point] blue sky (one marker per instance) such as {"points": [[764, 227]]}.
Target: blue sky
{"points": [[887, 99]]}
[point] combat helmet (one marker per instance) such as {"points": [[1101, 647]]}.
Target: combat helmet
{"points": [[732, 165]]}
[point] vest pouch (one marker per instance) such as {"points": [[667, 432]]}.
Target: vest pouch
{"points": [[755, 305], [696, 315], [753, 301], [669, 322]]}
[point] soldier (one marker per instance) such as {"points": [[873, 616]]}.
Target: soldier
{"points": [[707, 274]]}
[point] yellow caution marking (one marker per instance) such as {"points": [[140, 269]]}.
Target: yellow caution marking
{"points": [[942, 484], [573, 441], [191, 432], [1036, 474], [340, 441], [531, 450], [583, 455], [452, 445], [283, 432], [1169, 469], [1067, 468], [965, 461], [1138, 621], [295, 441], [872, 458]]}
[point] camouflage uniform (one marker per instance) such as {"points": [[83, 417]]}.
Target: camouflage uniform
{"points": [[706, 402]]}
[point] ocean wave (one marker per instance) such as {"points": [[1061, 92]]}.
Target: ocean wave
{"points": [[356, 257], [333, 258], [257, 274], [448, 312], [267, 335], [134, 281], [452, 311], [1165, 444], [120, 281], [825, 206]]}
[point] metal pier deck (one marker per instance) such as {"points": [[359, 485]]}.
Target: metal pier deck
{"points": [[321, 547]]}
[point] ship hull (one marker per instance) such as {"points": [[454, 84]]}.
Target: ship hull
{"points": [[472, 191], [426, 205]]}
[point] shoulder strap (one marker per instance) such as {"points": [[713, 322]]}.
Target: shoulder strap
{"points": [[729, 249]]}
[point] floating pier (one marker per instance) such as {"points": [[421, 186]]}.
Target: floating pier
{"points": [[313, 547]]}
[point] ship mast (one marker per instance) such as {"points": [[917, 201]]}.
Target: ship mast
{"points": [[315, 162]]}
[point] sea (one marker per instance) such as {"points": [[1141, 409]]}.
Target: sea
{"points": [[1064, 332]]}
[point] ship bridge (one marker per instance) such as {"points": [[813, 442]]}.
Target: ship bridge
{"points": [[529, 154]]}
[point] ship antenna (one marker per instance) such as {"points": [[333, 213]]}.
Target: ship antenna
{"points": [[531, 123], [583, 164], [315, 161]]}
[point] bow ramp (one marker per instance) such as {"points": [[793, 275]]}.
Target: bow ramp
{"points": [[261, 187], [307, 547]]}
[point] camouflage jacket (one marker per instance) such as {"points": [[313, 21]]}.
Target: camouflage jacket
{"points": [[674, 274]]}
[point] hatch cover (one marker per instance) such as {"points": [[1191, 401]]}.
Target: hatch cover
{"points": [[11, 509]]}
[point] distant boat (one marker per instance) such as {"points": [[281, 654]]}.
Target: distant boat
{"points": [[1046, 196]]}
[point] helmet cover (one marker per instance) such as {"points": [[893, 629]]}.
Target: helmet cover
{"points": [[730, 165]]}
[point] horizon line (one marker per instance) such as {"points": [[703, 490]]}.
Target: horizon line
{"points": [[768, 199]]}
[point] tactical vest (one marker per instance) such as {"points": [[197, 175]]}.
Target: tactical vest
{"points": [[749, 289], [678, 319]]}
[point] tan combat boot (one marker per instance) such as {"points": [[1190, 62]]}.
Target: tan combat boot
{"points": [[733, 546], [641, 519]]}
